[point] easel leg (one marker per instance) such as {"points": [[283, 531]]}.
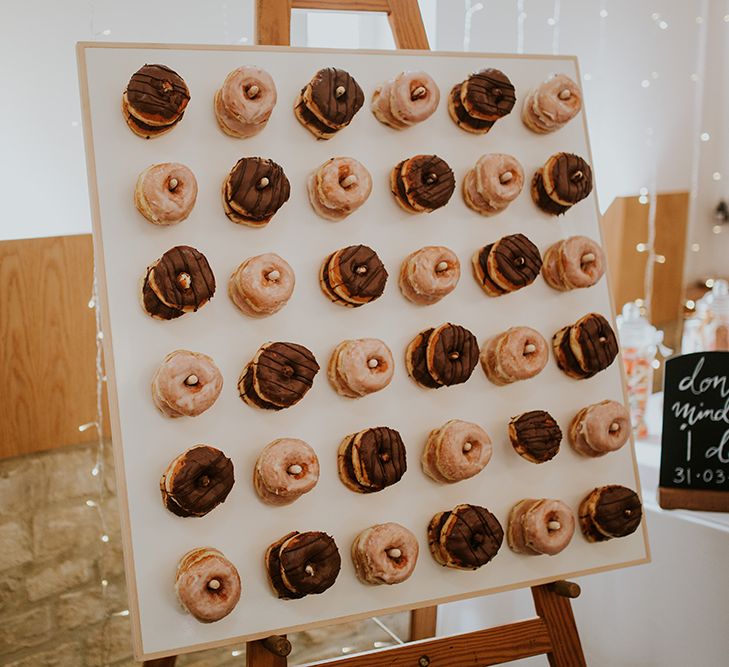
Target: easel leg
{"points": [[422, 623], [161, 662], [556, 612], [269, 652]]}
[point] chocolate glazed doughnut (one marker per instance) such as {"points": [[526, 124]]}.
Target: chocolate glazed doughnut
{"points": [[353, 276], [197, 481], [254, 190], [488, 94], [422, 184], [610, 511], [535, 436], [509, 264], [442, 357], [371, 460]]}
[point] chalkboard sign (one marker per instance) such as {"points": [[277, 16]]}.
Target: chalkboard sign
{"points": [[695, 442]]}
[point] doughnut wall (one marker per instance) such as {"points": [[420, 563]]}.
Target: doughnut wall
{"points": [[331, 284]]}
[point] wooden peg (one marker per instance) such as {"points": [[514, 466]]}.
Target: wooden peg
{"points": [[567, 589], [278, 645]]}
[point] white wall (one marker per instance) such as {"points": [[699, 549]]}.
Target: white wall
{"points": [[42, 170]]}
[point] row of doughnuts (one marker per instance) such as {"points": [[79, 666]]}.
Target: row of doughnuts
{"points": [[256, 188], [280, 373], [156, 98], [465, 537], [199, 479], [181, 280]]}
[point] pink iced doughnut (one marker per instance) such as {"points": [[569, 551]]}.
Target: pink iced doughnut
{"points": [[286, 469], [339, 187], [165, 193], [456, 451], [207, 584], [414, 97], [540, 526], [262, 285], [384, 554], [499, 179], [600, 428], [429, 274], [517, 354], [381, 107], [360, 367], [581, 262], [557, 100], [186, 384], [245, 101]]}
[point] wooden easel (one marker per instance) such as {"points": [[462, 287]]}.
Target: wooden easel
{"points": [[553, 632]]}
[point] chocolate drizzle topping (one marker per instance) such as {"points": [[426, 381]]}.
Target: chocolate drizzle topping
{"points": [[488, 94], [517, 262], [199, 481], [572, 177], [418, 360], [310, 562], [427, 181], [565, 357], [283, 373], [618, 511], [244, 195], [537, 433], [163, 279], [471, 536], [452, 354], [362, 274], [154, 306], [157, 93], [483, 257], [542, 199], [597, 342], [378, 459], [462, 115], [273, 567], [337, 110]]}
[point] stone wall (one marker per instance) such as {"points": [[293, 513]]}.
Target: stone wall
{"points": [[53, 609]]}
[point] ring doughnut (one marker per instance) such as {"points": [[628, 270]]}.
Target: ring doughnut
{"points": [[207, 584], [262, 285], [360, 367], [575, 262], [165, 193], [552, 105], [456, 451], [339, 187], [541, 526], [516, 354], [186, 384], [495, 181], [600, 428], [429, 274], [384, 554], [244, 102], [286, 469], [407, 99]]}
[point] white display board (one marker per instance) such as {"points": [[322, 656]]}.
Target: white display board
{"points": [[135, 344]]}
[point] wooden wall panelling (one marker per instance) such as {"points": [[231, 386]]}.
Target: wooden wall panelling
{"points": [[47, 343]]}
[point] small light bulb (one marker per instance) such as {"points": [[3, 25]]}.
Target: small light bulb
{"points": [[654, 75], [716, 229], [694, 77], [106, 32], [236, 653], [92, 303], [661, 259], [104, 538], [90, 503], [726, 18], [639, 303], [104, 583], [663, 25], [645, 83], [716, 176], [123, 612], [641, 247], [94, 471], [643, 199], [587, 77], [655, 363], [655, 16], [699, 19], [551, 21], [695, 247], [709, 282], [705, 136], [100, 335], [74, 123], [603, 13], [690, 304]]}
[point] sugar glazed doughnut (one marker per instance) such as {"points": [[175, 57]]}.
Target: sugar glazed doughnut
{"points": [[429, 274], [422, 183], [328, 102], [553, 104], [301, 564], [207, 584], [278, 376], [600, 428], [535, 436], [575, 262], [165, 193], [254, 190], [466, 537], [442, 356], [586, 347], [495, 181], [540, 526], [384, 554], [197, 481], [285, 470], [179, 282], [371, 460], [186, 384], [509, 264], [339, 187], [353, 276], [456, 451], [360, 367], [243, 104], [407, 99], [154, 101], [516, 354], [610, 511], [478, 102], [262, 285], [563, 181]]}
